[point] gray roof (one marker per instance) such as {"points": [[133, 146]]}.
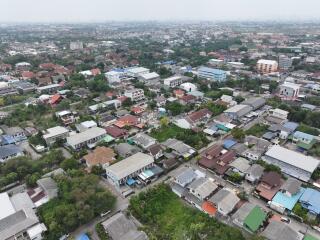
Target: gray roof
{"points": [[11, 130], [241, 164], [119, 227], [279, 230], [49, 186], [255, 170], [255, 102], [203, 186], [9, 150], [292, 185], [130, 165], [225, 199], [124, 149], [241, 214], [179, 146], [143, 139], [186, 176], [306, 163], [85, 136], [16, 223], [22, 201]]}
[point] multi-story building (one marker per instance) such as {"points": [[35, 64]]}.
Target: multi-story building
{"points": [[76, 45], [284, 62], [53, 134], [289, 91], [137, 71], [66, 116], [135, 94], [120, 172], [114, 76], [173, 82], [267, 66], [212, 74]]}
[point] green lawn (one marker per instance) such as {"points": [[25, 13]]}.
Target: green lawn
{"points": [[164, 216], [193, 139]]}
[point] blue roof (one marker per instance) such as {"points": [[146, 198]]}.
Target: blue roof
{"points": [[83, 237], [8, 139], [131, 181], [291, 125], [229, 143], [307, 136], [212, 70], [310, 199], [286, 201]]}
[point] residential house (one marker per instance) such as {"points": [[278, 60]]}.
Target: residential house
{"points": [[217, 159], [120, 172], [185, 176], [225, 201], [179, 148], [288, 195], [280, 230], [16, 133], [126, 150], [143, 140], [256, 147], [84, 126], [88, 138], [240, 166], [269, 185], [119, 227], [51, 135], [102, 156], [303, 140], [67, 117], [156, 150], [254, 173], [9, 151], [202, 188], [310, 200], [116, 132]]}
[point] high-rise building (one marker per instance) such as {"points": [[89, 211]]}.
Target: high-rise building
{"points": [[76, 45]]}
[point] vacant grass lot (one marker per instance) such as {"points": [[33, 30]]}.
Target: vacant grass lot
{"points": [[164, 216]]}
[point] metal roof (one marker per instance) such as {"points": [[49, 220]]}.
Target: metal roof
{"points": [[295, 159]]}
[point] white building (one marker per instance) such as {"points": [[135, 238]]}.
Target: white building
{"points": [[173, 82], [135, 94], [132, 166], [136, 71], [149, 77], [238, 111], [289, 91], [114, 76], [18, 219], [188, 87], [292, 163], [76, 45], [53, 134], [279, 113], [88, 138]]}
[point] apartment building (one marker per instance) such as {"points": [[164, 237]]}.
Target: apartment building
{"points": [[88, 138], [173, 82], [267, 66], [135, 94]]}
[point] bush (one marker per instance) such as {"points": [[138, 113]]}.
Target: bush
{"points": [[101, 232]]}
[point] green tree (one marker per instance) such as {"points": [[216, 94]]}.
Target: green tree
{"points": [[238, 134]]}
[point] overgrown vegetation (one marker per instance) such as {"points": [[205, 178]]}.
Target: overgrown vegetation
{"points": [[165, 217], [80, 199], [257, 130], [197, 140]]}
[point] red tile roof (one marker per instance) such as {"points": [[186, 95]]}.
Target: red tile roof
{"points": [[115, 131], [199, 115], [55, 99]]}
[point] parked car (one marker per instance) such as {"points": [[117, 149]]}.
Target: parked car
{"points": [[286, 220]]}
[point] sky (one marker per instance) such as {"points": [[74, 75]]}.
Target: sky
{"points": [[163, 10]]}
